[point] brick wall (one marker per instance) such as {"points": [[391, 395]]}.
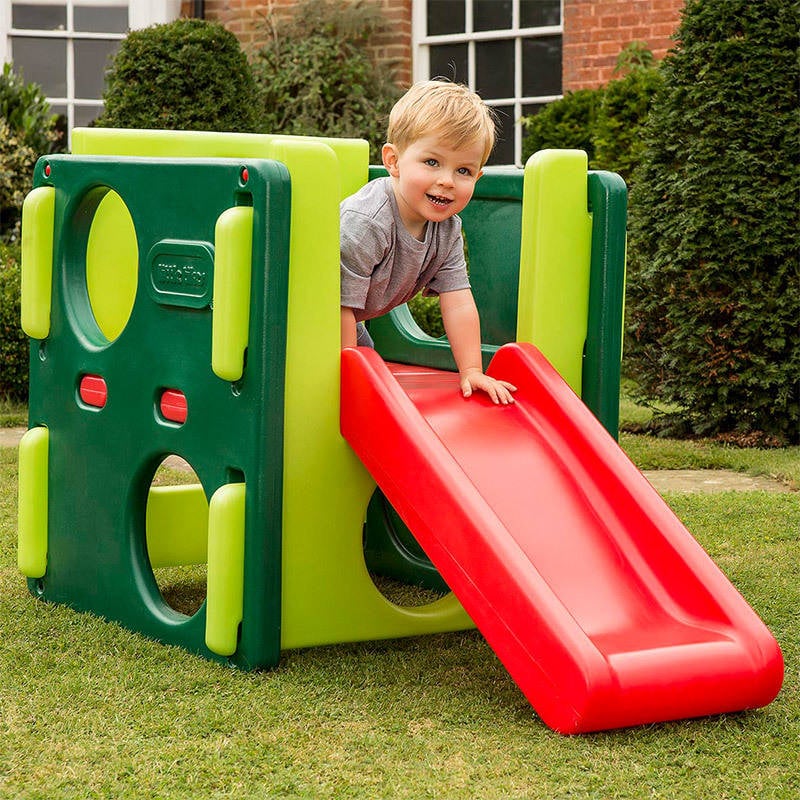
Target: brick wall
{"points": [[245, 18], [596, 30]]}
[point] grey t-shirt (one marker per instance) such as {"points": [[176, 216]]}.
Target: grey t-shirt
{"points": [[383, 265]]}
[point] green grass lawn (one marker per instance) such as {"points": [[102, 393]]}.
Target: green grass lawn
{"points": [[89, 710]]}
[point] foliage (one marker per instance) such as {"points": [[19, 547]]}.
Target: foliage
{"points": [[27, 131], [317, 75], [566, 123], [714, 298], [184, 75], [427, 314], [13, 342], [626, 102]]}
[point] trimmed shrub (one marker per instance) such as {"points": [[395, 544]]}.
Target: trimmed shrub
{"points": [[13, 342], [318, 76], [713, 292], [184, 75], [566, 123]]}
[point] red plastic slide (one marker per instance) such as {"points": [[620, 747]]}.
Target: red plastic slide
{"points": [[598, 601]]}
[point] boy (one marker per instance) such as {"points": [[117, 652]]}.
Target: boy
{"points": [[401, 234]]}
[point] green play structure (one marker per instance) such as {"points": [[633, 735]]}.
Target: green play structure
{"points": [[181, 293]]}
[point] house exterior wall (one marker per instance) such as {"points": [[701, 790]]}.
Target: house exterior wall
{"points": [[245, 18], [594, 32]]}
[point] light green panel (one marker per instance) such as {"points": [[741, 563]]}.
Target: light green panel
{"points": [[233, 251], [555, 259], [352, 154], [328, 595], [112, 240], [33, 482], [177, 526], [38, 214], [225, 581]]}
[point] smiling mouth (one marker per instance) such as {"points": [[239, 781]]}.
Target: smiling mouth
{"points": [[439, 201]]}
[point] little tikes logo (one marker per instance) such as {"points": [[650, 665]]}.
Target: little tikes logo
{"points": [[182, 273]]}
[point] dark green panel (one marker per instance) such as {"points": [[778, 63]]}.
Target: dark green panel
{"points": [[102, 460]]}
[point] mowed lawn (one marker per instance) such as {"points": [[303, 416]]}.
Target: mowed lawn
{"points": [[89, 710]]}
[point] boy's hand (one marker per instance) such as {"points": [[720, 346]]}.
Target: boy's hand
{"points": [[498, 391]]}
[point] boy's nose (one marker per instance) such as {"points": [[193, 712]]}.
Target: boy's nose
{"points": [[446, 178]]}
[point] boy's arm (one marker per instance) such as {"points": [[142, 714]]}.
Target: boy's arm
{"points": [[463, 328], [349, 336]]}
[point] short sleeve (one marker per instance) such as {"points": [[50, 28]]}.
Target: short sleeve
{"points": [[363, 245], [452, 274]]}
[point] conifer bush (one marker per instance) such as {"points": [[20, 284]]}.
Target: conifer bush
{"points": [[713, 290]]}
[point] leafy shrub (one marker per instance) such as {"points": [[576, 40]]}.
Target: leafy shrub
{"points": [[566, 123], [318, 76], [184, 75], [625, 105], [13, 342], [713, 296], [27, 131]]}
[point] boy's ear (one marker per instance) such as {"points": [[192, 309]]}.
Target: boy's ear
{"points": [[390, 157]]}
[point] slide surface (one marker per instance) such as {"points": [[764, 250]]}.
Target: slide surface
{"points": [[600, 604]]}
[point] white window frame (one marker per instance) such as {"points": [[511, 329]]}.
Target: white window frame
{"points": [[421, 44], [141, 13]]}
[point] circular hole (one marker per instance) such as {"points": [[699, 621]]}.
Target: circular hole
{"points": [[398, 566], [177, 535], [112, 265], [43, 350], [39, 585]]}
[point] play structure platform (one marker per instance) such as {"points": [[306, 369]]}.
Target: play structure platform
{"points": [[181, 294]]}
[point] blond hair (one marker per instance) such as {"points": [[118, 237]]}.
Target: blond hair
{"points": [[449, 110]]}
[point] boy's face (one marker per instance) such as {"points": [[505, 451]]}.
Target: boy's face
{"points": [[432, 181]]}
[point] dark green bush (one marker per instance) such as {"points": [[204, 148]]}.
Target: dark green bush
{"points": [[13, 342], [27, 131], [184, 75], [566, 123], [714, 291], [318, 76]]}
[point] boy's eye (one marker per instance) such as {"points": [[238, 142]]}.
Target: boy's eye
{"points": [[464, 171], [431, 162]]}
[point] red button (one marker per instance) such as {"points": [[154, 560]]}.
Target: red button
{"points": [[93, 391], [173, 406]]}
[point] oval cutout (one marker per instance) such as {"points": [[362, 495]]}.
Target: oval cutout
{"points": [[112, 265], [177, 535]]}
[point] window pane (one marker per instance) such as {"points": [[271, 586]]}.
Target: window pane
{"points": [[503, 152], [541, 66], [42, 61], [449, 61], [535, 13], [446, 16], [39, 18], [86, 114], [101, 19], [91, 60], [494, 69], [491, 15]]}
